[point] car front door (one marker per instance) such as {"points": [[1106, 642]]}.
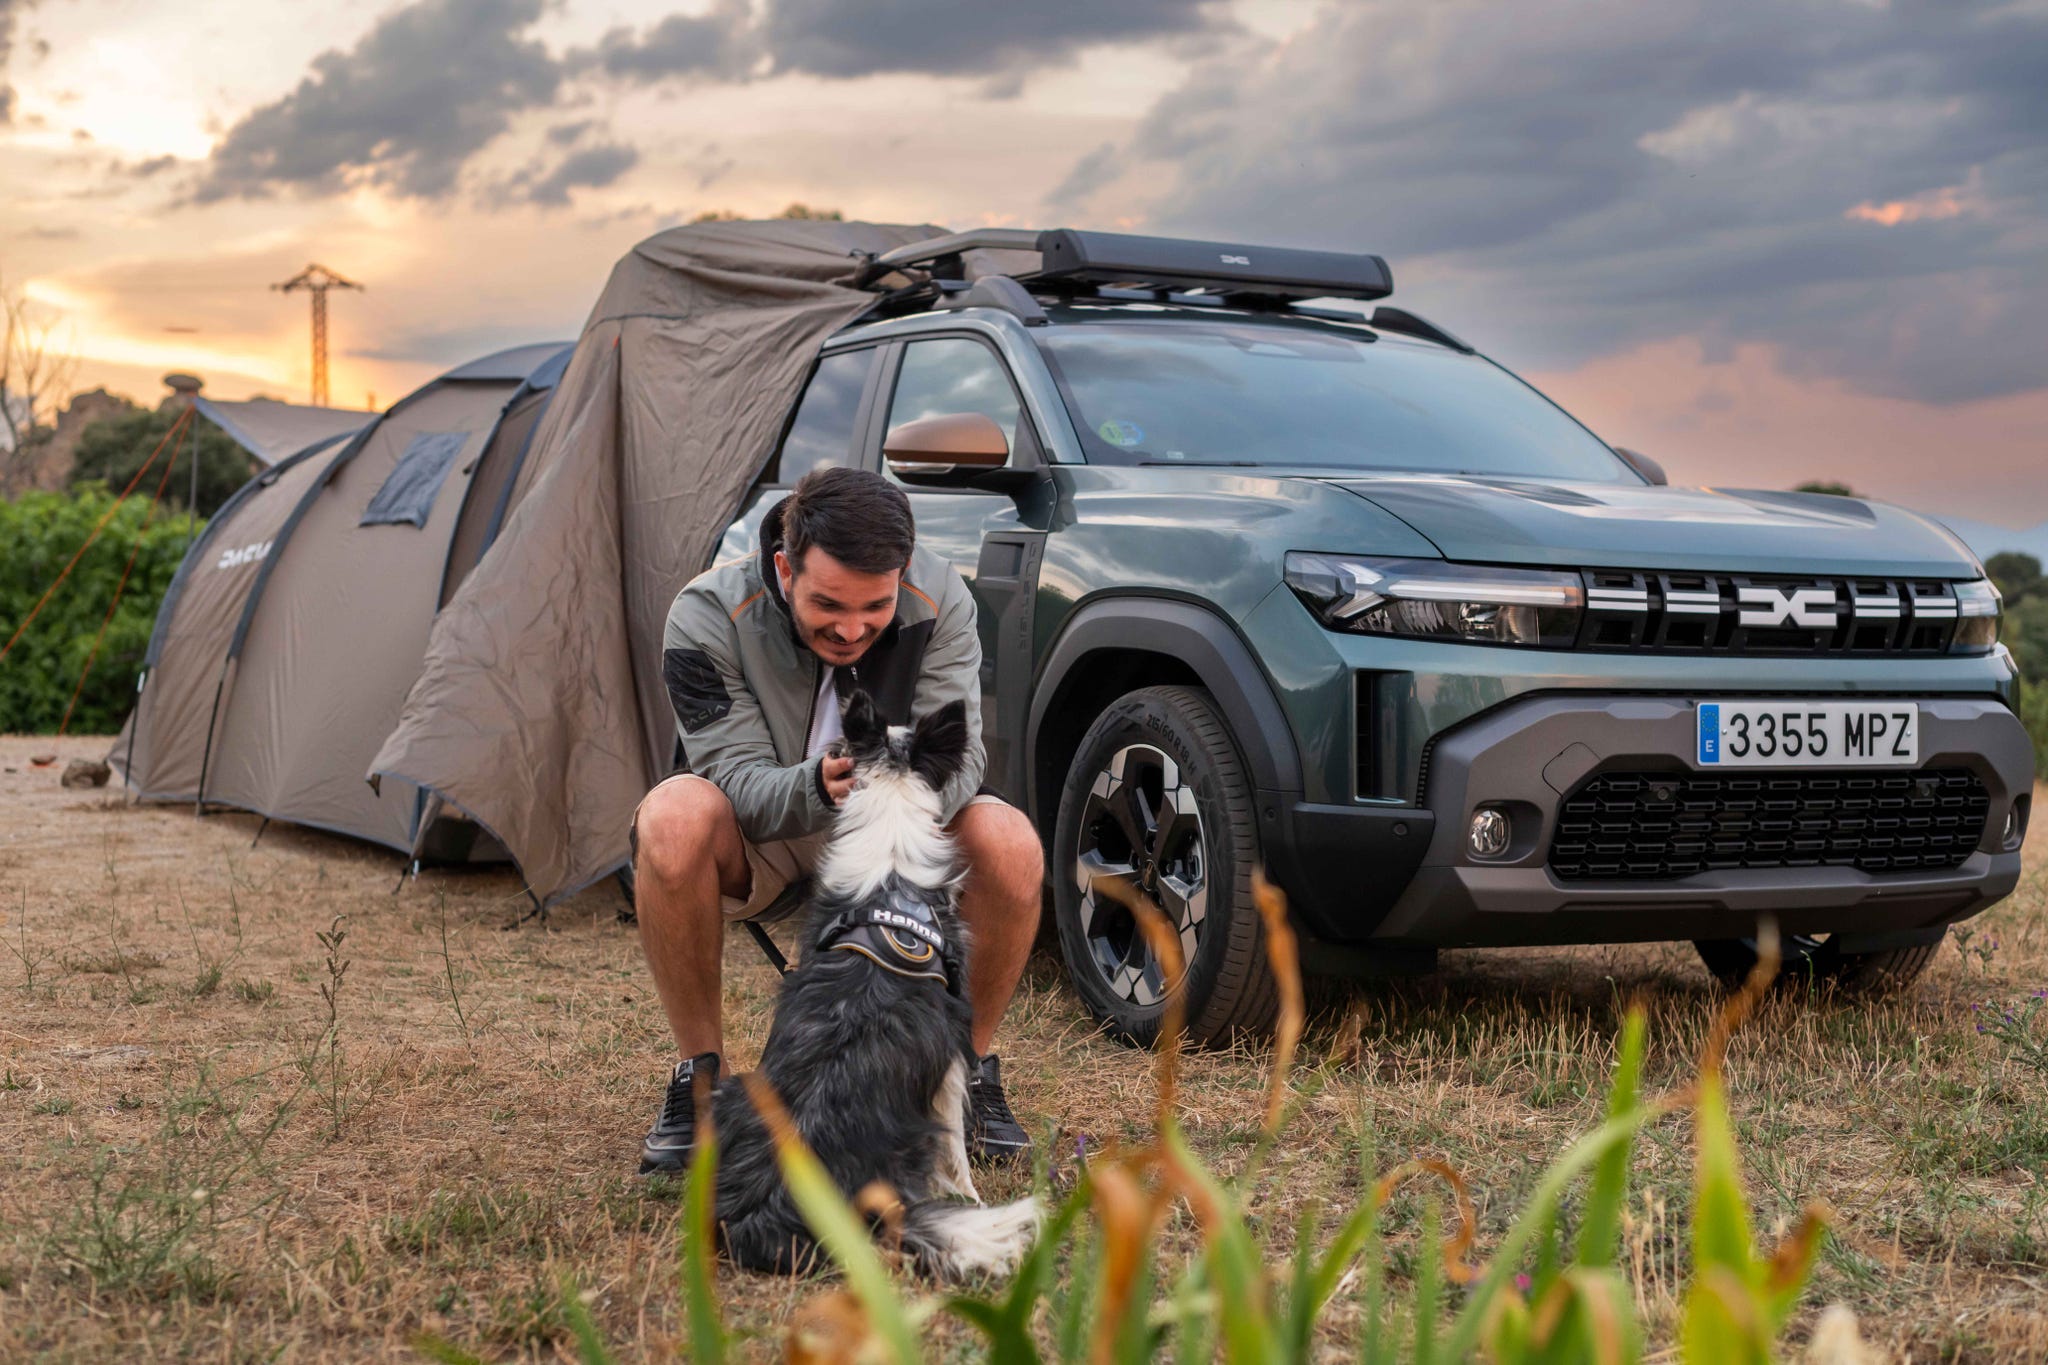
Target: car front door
{"points": [[978, 529]]}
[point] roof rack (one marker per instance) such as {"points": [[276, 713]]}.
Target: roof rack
{"points": [[1121, 260]]}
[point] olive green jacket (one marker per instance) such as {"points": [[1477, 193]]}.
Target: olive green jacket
{"points": [[743, 686]]}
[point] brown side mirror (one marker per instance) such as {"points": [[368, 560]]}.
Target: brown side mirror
{"points": [[968, 440]]}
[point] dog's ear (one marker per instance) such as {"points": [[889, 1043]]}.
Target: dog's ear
{"points": [[866, 735], [939, 744]]}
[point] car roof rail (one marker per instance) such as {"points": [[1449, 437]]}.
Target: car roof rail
{"points": [[995, 291], [1071, 259], [1400, 320]]}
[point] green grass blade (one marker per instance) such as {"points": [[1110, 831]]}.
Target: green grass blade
{"points": [[1471, 1320], [1600, 1231], [1720, 1220], [440, 1348], [981, 1313], [588, 1343], [1007, 1325], [700, 1300], [843, 1233], [1302, 1301], [1236, 1269], [1344, 1247], [1194, 1313], [1429, 1266], [1083, 1280]]}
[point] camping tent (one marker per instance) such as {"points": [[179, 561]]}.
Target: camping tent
{"points": [[297, 622], [540, 710], [273, 431]]}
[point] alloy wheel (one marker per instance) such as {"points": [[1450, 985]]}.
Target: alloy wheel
{"points": [[1141, 831]]}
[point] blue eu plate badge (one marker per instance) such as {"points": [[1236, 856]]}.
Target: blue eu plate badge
{"points": [[1710, 732]]}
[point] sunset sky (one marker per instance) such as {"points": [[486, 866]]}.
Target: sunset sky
{"points": [[1761, 242]]}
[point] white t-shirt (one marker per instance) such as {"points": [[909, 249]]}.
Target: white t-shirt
{"points": [[826, 723]]}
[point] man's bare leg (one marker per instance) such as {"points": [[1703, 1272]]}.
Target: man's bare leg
{"points": [[687, 852], [1000, 902]]}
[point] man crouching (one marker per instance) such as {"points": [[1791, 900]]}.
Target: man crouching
{"points": [[757, 656]]}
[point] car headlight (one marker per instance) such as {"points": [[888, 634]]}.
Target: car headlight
{"points": [[1978, 607], [1434, 599]]}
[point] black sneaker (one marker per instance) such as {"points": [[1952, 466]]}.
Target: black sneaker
{"points": [[673, 1138], [993, 1133]]}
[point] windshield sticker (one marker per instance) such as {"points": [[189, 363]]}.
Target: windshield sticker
{"points": [[1120, 433]]}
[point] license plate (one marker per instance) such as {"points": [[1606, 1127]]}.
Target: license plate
{"points": [[1814, 734]]}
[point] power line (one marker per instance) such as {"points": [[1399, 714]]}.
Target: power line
{"points": [[317, 280]]}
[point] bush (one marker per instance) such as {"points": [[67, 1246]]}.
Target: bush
{"points": [[38, 535], [2034, 715]]}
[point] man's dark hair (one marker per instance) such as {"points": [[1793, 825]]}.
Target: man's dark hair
{"points": [[855, 515]]}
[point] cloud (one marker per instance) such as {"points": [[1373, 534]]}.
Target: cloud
{"points": [[1092, 172], [718, 43], [404, 109], [434, 83], [1601, 174], [594, 166], [963, 37], [10, 10]]}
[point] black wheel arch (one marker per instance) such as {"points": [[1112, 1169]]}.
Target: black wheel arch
{"points": [[1129, 641]]}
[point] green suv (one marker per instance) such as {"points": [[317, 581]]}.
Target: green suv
{"points": [[1273, 577]]}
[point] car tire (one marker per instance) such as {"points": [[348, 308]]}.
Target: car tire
{"points": [[1815, 961], [1163, 752]]}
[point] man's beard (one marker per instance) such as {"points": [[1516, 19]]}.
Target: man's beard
{"points": [[821, 643]]}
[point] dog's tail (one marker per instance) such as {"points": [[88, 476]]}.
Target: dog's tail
{"points": [[954, 1241]]}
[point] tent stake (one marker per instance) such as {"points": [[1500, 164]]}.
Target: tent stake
{"points": [[259, 831]]}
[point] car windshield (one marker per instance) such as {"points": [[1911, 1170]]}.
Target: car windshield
{"points": [[1201, 391]]}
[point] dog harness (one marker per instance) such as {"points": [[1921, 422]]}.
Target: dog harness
{"points": [[898, 933]]}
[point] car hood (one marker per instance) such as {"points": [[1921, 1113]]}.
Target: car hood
{"points": [[1627, 526]]}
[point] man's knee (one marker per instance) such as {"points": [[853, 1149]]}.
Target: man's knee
{"points": [[680, 826], [999, 844]]}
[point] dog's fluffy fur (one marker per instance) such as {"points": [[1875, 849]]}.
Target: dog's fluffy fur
{"points": [[871, 1065]]}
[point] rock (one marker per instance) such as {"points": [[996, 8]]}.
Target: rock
{"points": [[42, 760], [86, 772]]}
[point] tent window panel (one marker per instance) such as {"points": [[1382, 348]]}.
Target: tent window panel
{"points": [[822, 433], [410, 489]]}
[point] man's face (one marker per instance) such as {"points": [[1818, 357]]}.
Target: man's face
{"points": [[839, 612]]}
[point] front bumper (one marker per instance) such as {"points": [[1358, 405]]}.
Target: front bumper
{"points": [[1527, 755]]}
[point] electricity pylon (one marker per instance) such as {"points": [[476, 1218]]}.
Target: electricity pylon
{"points": [[317, 280]]}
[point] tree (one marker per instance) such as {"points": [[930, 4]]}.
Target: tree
{"points": [[796, 210], [1828, 486], [34, 369], [2025, 628], [2017, 575], [113, 448]]}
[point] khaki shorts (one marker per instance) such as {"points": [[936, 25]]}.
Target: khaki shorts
{"points": [[777, 865]]}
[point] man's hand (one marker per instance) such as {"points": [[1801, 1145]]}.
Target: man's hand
{"points": [[837, 775]]}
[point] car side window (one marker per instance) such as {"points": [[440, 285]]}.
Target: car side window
{"points": [[952, 375], [823, 433]]}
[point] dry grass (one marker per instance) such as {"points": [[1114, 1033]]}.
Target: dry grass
{"points": [[231, 1141]]}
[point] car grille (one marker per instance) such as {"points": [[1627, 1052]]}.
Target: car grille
{"points": [[1703, 613], [1648, 825]]}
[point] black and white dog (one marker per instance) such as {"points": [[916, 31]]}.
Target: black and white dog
{"points": [[870, 1048]]}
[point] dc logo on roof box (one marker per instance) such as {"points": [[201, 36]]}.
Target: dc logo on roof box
{"points": [[1236, 260], [248, 554]]}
